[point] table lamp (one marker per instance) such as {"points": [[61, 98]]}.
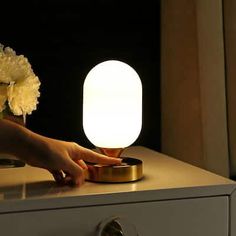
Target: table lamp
{"points": [[112, 118]]}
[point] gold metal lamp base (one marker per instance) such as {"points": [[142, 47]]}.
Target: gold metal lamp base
{"points": [[131, 169]]}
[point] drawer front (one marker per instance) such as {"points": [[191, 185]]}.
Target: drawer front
{"points": [[187, 217]]}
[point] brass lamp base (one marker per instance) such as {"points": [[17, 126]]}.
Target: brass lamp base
{"points": [[131, 169]]}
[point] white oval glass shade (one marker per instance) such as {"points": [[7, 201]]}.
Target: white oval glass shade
{"points": [[112, 105]]}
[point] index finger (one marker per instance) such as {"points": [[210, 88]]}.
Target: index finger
{"points": [[94, 157]]}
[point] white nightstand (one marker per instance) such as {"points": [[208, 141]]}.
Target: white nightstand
{"points": [[173, 199]]}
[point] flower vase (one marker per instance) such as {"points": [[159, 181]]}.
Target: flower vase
{"points": [[7, 160]]}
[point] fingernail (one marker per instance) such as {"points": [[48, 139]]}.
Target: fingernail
{"points": [[118, 160]]}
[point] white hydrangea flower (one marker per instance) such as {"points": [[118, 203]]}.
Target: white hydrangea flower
{"points": [[22, 96], [3, 96], [20, 86]]}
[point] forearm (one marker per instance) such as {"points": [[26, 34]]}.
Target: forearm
{"points": [[14, 138], [30, 147]]}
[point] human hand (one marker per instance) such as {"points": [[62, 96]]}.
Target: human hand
{"points": [[66, 160]]}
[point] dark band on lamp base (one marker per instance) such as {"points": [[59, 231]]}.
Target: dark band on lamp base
{"points": [[131, 169]]}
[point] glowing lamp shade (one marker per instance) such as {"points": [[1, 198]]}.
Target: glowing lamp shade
{"points": [[112, 105]]}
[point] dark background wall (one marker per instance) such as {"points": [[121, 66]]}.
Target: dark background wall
{"points": [[63, 40]]}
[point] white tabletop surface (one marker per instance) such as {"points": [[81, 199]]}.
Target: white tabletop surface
{"points": [[28, 188]]}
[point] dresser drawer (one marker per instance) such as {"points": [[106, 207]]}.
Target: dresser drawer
{"points": [[187, 217]]}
